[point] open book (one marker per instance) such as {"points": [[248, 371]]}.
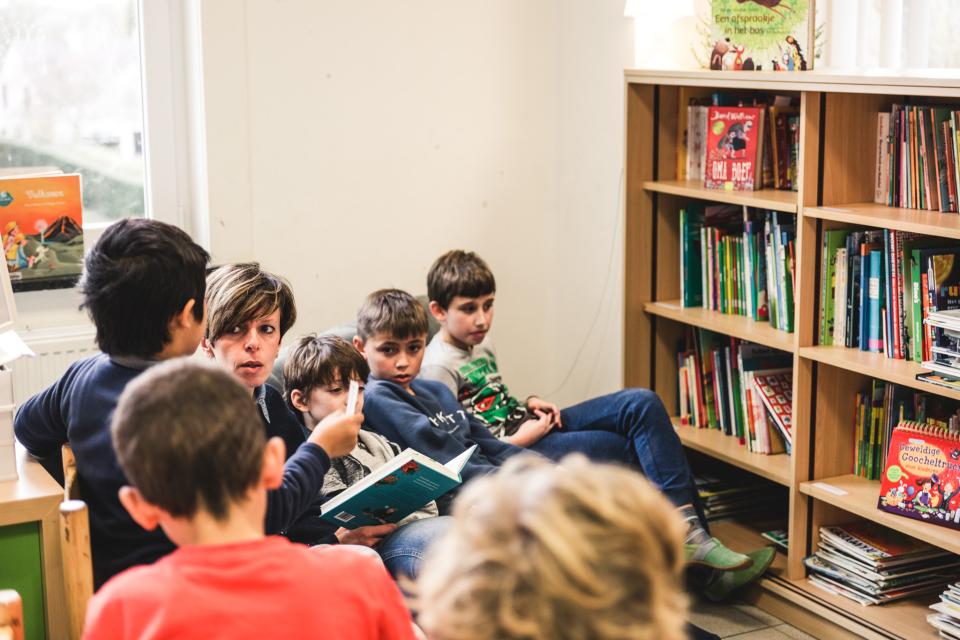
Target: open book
{"points": [[395, 490]]}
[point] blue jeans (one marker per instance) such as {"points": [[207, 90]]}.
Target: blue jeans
{"points": [[634, 420], [403, 550]]}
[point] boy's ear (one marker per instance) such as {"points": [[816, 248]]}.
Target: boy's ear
{"points": [[438, 312], [297, 400], [207, 347], [271, 475], [144, 513], [358, 345]]}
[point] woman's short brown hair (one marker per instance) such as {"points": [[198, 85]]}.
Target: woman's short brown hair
{"points": [[238, 293], [577, 551]]}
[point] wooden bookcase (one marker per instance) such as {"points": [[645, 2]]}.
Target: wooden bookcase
{"points": [[837, 162]]}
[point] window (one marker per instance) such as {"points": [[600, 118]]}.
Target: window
{"points": [[71, 97]]}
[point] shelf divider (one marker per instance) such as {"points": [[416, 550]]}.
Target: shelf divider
{"points": [[877, 365], [715, 443], [859, 496], [731, 325], [777, 200], [869, 214]]}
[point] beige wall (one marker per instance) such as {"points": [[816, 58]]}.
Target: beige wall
{"points": [[349, 143]]}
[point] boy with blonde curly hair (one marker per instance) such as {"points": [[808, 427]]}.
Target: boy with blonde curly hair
{"points": [[580, 551]]}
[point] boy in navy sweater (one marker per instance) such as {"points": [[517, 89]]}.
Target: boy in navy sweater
{"points": [[420, 414], [425, 415], [143, 286]]}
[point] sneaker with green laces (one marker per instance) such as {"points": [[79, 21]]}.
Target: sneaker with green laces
{"points": [[726, 582], [714, 555]]}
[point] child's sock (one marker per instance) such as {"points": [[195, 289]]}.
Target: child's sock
{"points": [[723, 583], [701, 549], [695, 533]]}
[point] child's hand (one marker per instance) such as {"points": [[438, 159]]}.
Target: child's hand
{"points": [[365, 536], [532, 430], [536, 404], [337, 433]]}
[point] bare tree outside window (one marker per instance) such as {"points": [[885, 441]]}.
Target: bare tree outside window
{"points": [[71, 97]]}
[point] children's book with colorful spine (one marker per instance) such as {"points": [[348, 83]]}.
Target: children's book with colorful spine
{"points": [[921, 479], [767, 36]]}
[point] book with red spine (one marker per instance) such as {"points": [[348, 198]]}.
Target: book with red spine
{"points": [[733, 147]]}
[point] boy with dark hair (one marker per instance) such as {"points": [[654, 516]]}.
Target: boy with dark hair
{"points": [[317, 374], [461, 356], [415, 413], [143, 286], [192, 446]]}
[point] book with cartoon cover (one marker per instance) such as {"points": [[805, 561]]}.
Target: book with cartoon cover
{"points": [[395, 490], [734, 135], [921, 478], [762, 36]]}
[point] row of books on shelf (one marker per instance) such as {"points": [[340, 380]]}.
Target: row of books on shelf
{"points": [[738, 144], [743, 389], [884, 291], [738, 260], [873, 565], [881, 408], [917, 157]]}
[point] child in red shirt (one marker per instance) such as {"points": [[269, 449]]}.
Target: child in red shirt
{"points": [[191, 444]]}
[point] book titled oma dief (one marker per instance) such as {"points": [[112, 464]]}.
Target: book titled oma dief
{"points": [[395, 490]]}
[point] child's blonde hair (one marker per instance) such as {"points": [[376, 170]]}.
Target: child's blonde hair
{"points": [[580, 551]]}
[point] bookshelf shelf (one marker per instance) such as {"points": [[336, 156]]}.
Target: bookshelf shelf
{"points": [[731, 325], [903, 619], [859, 496], [714, 443], [902, 372], [763, 199], [931, 223]]}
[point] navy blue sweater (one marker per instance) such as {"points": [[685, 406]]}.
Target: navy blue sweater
{"points": [[433, 423], [78, 409]]}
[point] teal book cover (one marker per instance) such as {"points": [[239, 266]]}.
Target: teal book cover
{"points": [[691, 280], [395, 490]]}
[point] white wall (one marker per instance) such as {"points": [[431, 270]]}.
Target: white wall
{"points": [[351, 143]]}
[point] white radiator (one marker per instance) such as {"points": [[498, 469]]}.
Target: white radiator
{"points": [[56, 349]]}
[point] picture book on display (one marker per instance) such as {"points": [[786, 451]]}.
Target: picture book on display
{"points": [[762, 36], [395, 490], [921, 479], [733, 148], [42, 227]]}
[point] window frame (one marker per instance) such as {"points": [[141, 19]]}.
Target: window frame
{"points": [[170, 72]]}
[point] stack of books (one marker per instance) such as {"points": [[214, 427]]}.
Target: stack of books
{"points": [[917, 158], [881, 408], [740, 388], [738, 261], [872, 565], [738, 497], [946, 620], [944, 353]]}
